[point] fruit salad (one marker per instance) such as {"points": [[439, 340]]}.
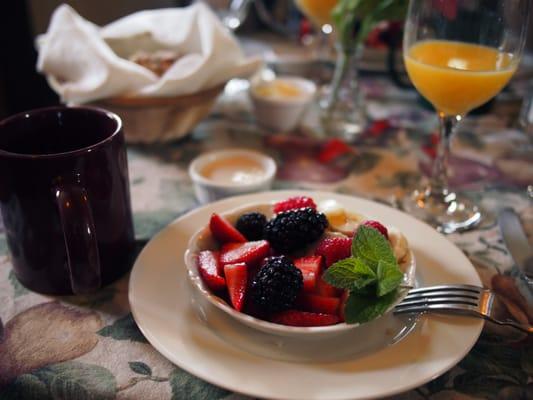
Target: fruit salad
{"points": [[305, 264]]}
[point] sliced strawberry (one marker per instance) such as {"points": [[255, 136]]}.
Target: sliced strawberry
{"points": [[325, 289], [249, 252], [237, 280], [210, 270], [334, 249], [294, 202], [318, 304], [378, 226], [311, 269], [223, 231], [304, 318], [344, 299]]}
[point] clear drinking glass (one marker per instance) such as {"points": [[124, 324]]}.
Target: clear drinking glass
{"points": [[231, 12], [526, 113], [459, 54]]}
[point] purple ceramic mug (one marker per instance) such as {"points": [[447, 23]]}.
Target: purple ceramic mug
{"points": [[64, 198]]}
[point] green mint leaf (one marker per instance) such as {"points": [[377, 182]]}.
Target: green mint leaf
{"points": [[367, 291], [365, 273], [372, 247], [350, 273], [389, 277], [360, 309]]}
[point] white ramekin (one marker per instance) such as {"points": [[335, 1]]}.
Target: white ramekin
{"points": [[207, 190], [279, 114]]}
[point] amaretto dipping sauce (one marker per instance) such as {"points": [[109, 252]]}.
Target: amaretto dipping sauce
{"points": [[234, 170]]}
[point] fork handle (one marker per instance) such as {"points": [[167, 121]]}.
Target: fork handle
{"points": [[521, 327], [464, 313]]}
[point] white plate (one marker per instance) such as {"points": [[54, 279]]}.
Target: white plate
{"points": [[160, 303]]}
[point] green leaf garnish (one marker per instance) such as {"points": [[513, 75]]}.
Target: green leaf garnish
{"points": [[389, 277], [350, 273], [371, 275], [372, 247], [359, 308]]}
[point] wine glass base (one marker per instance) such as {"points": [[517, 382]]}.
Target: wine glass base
{"points": [[446, 211]]}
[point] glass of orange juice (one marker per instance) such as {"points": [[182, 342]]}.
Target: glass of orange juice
{"points": [[319, 13], [458, 54]]}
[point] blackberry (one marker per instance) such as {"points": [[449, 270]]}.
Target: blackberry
{"points": [[276, 285], [294, 229], [251, 225]]}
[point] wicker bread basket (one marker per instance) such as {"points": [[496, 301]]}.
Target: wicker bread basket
{"points": [[161, 119]]}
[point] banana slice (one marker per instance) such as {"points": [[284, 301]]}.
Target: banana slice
{"points": [[346, 222], [339, 219], [399, 244], [334, 212]]}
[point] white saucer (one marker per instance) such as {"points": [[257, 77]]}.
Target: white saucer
{"points": [[161, 305]]}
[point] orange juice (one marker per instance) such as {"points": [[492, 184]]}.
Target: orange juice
{"points": [[319, 11], [457, 77]]}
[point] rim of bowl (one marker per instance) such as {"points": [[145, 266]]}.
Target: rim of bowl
{"points": [[199, 162], [307, 85], [196, 280]]}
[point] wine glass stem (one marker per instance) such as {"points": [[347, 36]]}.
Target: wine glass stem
{"points": [[439, 178]]}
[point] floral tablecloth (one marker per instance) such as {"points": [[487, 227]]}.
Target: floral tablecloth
{"points": [[89, 347]]}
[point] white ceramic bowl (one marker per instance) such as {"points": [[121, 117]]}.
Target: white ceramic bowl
{"points": [[207, 190], [202, 240], [282, 114]]}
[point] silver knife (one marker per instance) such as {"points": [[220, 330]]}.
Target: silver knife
{"points": [[516, 241]]}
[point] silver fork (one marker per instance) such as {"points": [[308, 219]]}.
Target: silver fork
{"points": [[466, 300]]}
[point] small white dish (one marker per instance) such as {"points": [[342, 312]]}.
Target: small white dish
{"points": [[203, 240], [160, 298], [281, 113], [224, 178]]}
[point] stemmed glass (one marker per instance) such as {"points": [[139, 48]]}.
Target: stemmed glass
{"points": [[459, 54], [231, 12], [319, 12]]}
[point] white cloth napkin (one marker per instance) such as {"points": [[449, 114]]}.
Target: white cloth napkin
{"points": [[84, 62]]}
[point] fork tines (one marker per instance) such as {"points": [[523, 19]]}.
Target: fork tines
{"points": [[465, 288], [466, 300], [443, 296]]}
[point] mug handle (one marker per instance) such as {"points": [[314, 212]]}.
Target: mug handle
{"points": [[80, 237]]}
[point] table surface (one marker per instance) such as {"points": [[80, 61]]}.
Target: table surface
{"points": [[89, 346]]}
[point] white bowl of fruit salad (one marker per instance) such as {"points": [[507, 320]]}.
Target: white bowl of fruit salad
{"points": [[295, 268]]}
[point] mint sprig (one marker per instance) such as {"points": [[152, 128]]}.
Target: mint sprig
{"points": [[371, 275], [371, 246], [360, 308], [351, 274], [389, 277]]}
